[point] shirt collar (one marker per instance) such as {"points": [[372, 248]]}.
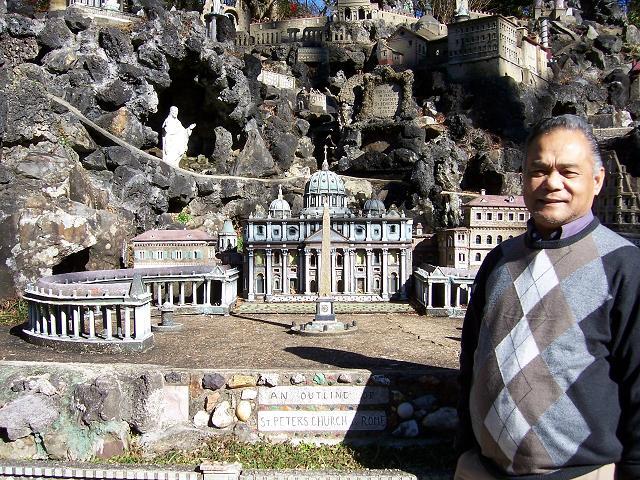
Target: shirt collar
{"points": [[572, 228]]}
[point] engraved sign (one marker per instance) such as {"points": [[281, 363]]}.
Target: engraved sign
{"points": [[312, 54], [386, 100], [321, 421], [336, 395]]}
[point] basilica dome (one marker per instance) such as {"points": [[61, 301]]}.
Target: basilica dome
{"points": [[325, 186], [374, 207], [280, 208]]}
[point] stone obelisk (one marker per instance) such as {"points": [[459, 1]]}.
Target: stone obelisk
{"points": [[324, 303]]}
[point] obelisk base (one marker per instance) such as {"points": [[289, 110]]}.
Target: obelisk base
{"points": [[324, 322]]}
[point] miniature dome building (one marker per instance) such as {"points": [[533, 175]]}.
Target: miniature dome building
{"points": [[371, 252], [325, 185], [280, 208], [227, 238], [374, 208]]}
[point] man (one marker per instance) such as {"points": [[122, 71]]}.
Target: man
{"points": [[551, 341]]}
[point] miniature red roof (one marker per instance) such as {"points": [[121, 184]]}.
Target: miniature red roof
{"points": [[497, 201], [173, 236]]}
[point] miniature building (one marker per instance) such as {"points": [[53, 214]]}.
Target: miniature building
{"points": [[495, 46], [444, 290], [227, 238], [489, 220], [370, 252], [172, 248], [618, 204], [405, 47]]}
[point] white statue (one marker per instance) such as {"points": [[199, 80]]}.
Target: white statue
{"points": [[174, 138]]}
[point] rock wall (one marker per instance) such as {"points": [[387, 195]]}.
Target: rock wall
{"points": [[78, 412], [70, 197]]}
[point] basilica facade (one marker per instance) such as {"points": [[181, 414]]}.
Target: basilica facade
{"points": [[370, 248]]}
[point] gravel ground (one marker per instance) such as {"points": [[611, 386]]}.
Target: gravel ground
{"points": [[262, 341]]}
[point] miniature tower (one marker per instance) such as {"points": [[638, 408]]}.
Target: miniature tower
{"points": [[462, 10], [227, 238], [324, 304]]}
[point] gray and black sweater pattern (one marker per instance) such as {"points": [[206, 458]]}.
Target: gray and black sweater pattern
{"points": [[550, 360]]}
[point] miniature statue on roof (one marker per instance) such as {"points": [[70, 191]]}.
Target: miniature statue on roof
{"points": [[175, 138]]}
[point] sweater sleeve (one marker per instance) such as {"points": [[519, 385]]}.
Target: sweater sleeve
{"points": [[465, 438], [626, 362]]}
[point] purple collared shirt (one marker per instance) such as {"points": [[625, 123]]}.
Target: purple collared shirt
{"points": [[571, 228]]}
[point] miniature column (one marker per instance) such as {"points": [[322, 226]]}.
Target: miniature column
{"points": [[447, 294], [158, 287], [92, 326], [457, 296], [403, 273], [107, 320], [385, 272], [127, 323], [334, 274], [307, 270], [52, 316], [369, 287], [181, 286], [352, 259], [384, 230], [63, 321], [346, 272], [268, 272], [170, 293], [76, 322], [208, 292], [285, 270], [194, 293], [430, 293], [250, 279]]}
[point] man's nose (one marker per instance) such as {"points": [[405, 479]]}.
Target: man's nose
{"points": [[554, 181]]}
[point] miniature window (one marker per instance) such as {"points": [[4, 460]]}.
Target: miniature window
{"points": [[521, 216], [360, 257], [177, 254], [277, 258], [499, 239], [510, 236], [259, 258], [478, 257], [489, 216], [292, 231], [276, 232], [392, 228], [139, 255], [339, 262], [461, 257], [478, 216], [376, 257], [489, 240], [393, 258], [360, 230], [197, 255], [500, 216], [159, 255], [511, 217], [312, 260], [260, 230], [478, 239]]}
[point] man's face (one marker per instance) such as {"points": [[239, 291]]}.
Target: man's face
{"points": [[559, 182]]}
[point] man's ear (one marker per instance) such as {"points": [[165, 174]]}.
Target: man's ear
{"points": [[598, 180]]}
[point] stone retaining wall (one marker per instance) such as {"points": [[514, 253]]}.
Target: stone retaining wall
{"points": [[80, 411]]}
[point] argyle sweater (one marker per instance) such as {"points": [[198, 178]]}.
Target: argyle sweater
{"points": [[550, 361]]}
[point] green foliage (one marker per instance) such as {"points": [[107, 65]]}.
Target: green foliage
{"points": [[13, 312], [183, 217], [633, 12], [265, 455], [240, 243]]}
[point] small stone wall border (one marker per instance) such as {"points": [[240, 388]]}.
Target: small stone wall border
{"points": [[25, 472], [208, 472]]}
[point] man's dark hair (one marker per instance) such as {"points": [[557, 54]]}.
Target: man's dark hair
{"points": [[567, 122]]}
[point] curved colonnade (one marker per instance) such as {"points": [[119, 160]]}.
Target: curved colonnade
{"points": [[110, 310]]}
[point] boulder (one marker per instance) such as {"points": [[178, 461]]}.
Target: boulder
{"points": [[222, 416], [443, 420], [116, 43], [55, 34], [610, 44], [213, 381], [145, 401], [99, 400], [31, 413], [76, 19]]}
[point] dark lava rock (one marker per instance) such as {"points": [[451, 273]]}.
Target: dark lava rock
{"points": [[213, 381], [116, 43], [100, 400], [55, 34], [114, 95], [76, 20], [608, 43], [94, 161]]}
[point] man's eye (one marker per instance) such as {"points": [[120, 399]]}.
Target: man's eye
{"points": [[570, 174]]}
